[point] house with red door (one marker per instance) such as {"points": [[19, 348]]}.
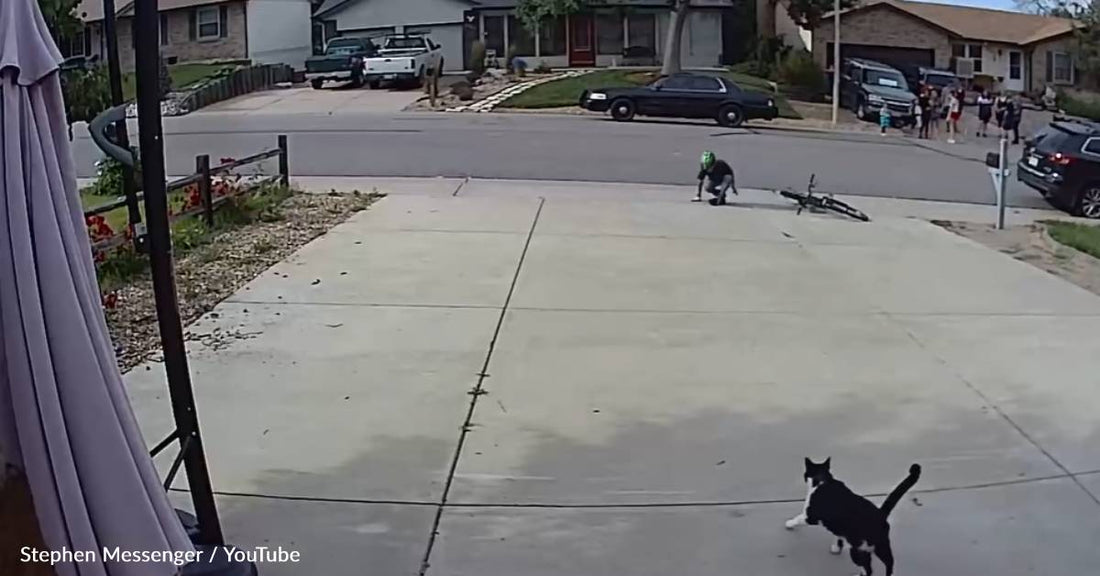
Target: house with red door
{"points": [[605, 34]]}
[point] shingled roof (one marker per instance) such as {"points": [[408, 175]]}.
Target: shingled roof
{"points": [[979, 23]]}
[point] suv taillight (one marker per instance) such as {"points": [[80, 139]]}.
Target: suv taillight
{"points": [[1059, 159]]}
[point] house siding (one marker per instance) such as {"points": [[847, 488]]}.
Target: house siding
{"points": [[1038, 60], [180, 45], [440, 19], [883, 27]]}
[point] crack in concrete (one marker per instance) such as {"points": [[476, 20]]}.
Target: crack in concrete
{"points": [[475, 394]]}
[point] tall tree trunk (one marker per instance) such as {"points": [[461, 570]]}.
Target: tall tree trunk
{"points": [[765, 18], [671, 64]]}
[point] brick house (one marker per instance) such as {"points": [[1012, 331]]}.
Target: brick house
{"points": [[1006, 50], [599, 35], [264, 31]]}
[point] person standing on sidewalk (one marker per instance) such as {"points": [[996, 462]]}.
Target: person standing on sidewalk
{"points": [[985, 112], [924, 105], [1013, 115], [935, 114], [954, 112], [883, 119]]}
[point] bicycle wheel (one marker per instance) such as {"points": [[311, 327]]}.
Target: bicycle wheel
{"points": [[842, 208]]}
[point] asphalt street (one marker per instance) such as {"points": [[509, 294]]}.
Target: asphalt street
{"points": [[584, 148]]}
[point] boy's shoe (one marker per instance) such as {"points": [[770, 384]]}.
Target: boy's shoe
{"points": [[697, 199]]}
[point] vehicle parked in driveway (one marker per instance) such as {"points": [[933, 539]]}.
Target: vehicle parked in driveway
{"points": [[342, 61], [404, 58], [1062, 162], [683, 95], [920, 77], [866, 85]]}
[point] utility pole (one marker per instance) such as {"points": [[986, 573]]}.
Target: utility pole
{"points": [[836, 60]]}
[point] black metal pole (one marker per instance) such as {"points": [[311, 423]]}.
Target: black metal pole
{"points": [[147, 46], [122, 137]]}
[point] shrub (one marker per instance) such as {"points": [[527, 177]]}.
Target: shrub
{"points": [[86, 92], [477, 58], [756, 68], [801, 75], [542, 68], [510, 59], [520, 66], [1076, 104]]}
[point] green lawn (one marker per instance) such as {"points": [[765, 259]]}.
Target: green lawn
{"points": [[183, 75], [567, 92], [1083, 237]]}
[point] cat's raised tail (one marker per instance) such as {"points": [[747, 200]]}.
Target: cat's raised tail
{"points": [[895, 496]]}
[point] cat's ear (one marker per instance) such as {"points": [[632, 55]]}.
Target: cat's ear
{"points": [[827, 462], [809, 463]]}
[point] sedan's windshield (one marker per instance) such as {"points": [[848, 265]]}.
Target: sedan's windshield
{"points": [[886, 78]]}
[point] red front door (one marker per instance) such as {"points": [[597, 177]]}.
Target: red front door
{"points": [[582, 40]]}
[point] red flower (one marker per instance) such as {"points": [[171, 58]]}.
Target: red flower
{"points": [[110, 300]]}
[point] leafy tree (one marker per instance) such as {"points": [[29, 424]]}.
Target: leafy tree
{"points": [[87, 92], [61, 17], [534, 12]]}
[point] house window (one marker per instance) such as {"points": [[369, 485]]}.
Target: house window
{"points": [[552, 38], [163, 29], [209, 22], [494, 35], [1063, 68], [642, 30], [1015, 66], [520, 37], [972, 52], [79, 44], [609, 34]]}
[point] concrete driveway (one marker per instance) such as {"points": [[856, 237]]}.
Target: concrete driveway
{"points": [[523, 380], [333, 99]]}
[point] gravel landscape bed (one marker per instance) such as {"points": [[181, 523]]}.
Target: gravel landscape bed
{"points": [[207, 274]]}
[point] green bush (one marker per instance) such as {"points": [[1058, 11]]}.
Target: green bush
{"points": [[87, 92], [801, 76], [757, 68], [477, 58], [1079, 105], [542, 68]]}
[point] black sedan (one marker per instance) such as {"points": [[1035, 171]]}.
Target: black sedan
{"points": [[683, 96]]}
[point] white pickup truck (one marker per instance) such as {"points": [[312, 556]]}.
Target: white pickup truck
{"points": [[404, 58]]}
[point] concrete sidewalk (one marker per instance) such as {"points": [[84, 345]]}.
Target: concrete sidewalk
{"points": [[563, 379]]}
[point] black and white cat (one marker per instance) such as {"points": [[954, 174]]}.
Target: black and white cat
{"points": [[852, 518]]}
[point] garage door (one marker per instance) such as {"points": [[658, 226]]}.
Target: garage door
{"points": [[891, 55]]}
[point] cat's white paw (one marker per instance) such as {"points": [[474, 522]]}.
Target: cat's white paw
{"points": [[791, 524], [836, 548]]}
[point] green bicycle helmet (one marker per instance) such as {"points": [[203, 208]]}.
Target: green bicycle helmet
{"points": [[707, 159]]}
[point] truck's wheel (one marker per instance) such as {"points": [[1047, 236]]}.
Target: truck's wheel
{"points": [[317, 84], [357, 81], [374, 84]]}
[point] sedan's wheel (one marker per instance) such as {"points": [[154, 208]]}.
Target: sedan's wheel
{"points": [[317, 84], [731, 116], [1088, 203], [622, 110]]}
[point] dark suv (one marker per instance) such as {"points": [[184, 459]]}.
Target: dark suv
{"points": [[865, 85], [1062, 161]]}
